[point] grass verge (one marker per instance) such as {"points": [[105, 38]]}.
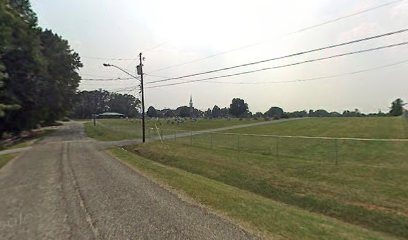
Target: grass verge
{"points": [[5, 158], [274, 219]]}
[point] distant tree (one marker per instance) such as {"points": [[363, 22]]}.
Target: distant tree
{"points": [[216, 112], [225, 112], [183, 111], [396, 107], [322, 113], [124, 103], [355, 113], [238, 107], [380, 113], [319, 113], [258, 115], [99, 101], [168, 113], [274, 112], [247, 114], [334, 114], [198, 113], [151, 112], [297, 114], [208, 113]]}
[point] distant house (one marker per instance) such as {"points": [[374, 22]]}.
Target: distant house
{"points": [[111, 115]]}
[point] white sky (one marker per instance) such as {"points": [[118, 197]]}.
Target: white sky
{"points": [[196, 29]]}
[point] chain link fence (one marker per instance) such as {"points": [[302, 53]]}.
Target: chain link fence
{"points": [[379, 152]]}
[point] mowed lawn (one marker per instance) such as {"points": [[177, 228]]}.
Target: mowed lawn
{"points": [[366, 188], [374, 127], [120, 129]]}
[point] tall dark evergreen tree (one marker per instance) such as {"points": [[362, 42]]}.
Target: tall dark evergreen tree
{"points": [[38, 78]]}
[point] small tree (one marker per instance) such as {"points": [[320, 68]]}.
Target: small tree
{"points": [[396, 107], [151, 112], [216, 112], [258, 115], [275, 112], [238, 107], [208, 113], [183, 111]]}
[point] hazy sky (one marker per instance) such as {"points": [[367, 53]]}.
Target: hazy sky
{"points": [[180, 31]]}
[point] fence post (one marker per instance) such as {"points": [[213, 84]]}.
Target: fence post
{"points": [[277, 148], [191, 138], [336, 150], [175, 135]]}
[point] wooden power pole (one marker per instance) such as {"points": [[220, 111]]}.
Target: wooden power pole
{"points": [[140, 72]]}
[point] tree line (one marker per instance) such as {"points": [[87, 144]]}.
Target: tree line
{"points": [[38, 70], [100, 101], [239, 109]]}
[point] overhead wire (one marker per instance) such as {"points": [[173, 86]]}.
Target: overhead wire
{"points": [[317, 78], [132, 88], [287, 34], [287, 56], [155, 47], [285, 65], [107, 79], [111, 59], [125, 59]]}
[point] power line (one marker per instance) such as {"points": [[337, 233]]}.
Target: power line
{"points": [[317, 78], [132, 88], [117, 90], [287, 34], [155, 47], [286, 56], [94, 76], [286, 65], [156, 76], [112, 59], [106, 79], [126, 59]]}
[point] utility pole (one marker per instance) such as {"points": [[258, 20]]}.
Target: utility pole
{"points": [[140, 72]]}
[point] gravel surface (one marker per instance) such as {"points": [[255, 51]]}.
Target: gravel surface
{"points": [[65, 188]]}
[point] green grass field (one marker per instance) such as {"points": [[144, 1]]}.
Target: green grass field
{"points": [[385, 127], [366, 187], [120, 129]]}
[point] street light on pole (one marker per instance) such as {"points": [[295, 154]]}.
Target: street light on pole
{"points": [[140, 72]]}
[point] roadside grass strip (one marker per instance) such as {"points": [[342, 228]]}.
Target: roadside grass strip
{"points": [[4, 159]]}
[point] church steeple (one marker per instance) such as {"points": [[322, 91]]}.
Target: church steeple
{"points": [[191, 107]]}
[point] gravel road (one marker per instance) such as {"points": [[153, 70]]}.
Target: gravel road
{"points": [[64, 187]]}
